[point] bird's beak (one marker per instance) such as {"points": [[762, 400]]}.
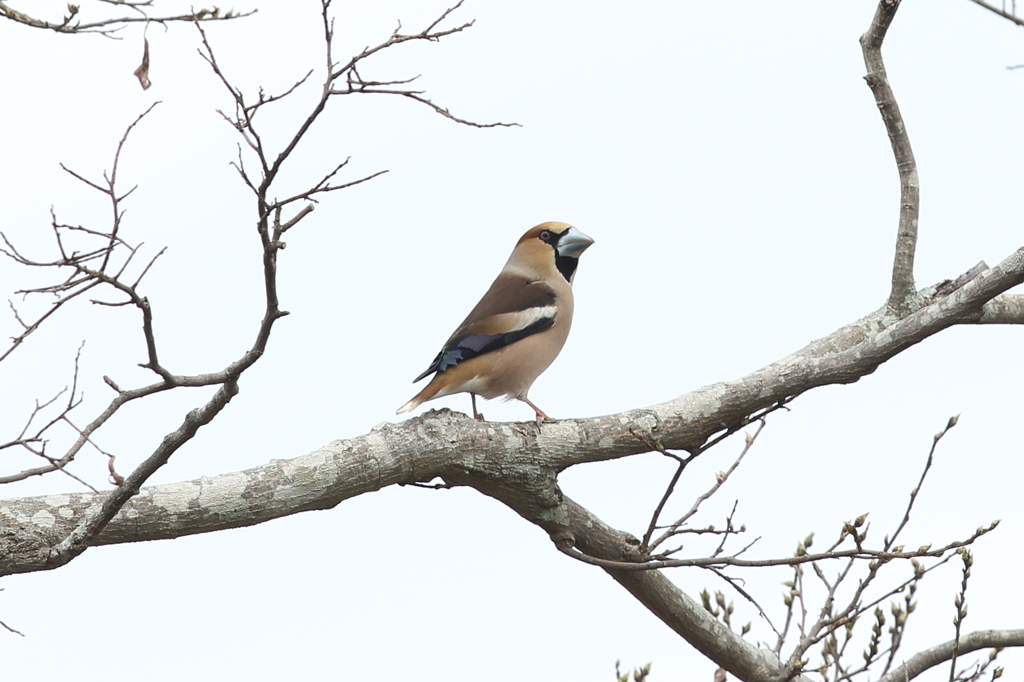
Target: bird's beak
{"points": [[572, 243]]}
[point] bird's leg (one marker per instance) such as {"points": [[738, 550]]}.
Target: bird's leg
{"points": [[541, 417], [476, 415]]}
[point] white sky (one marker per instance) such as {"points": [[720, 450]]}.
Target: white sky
{"points": [[731, 165]]}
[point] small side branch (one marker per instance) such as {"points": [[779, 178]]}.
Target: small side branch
{"points": [[961, 609], [863, 553], [1012, 16], [720, 480], [81, 537], [354, 83], [910, 200], [7, 627], [891, 541]]}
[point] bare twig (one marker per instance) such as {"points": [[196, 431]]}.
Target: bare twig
{"points": [[927, 466], [356, 84], [856, 607], [645, 543], [35, 442], [7, 627], [720, 480], [1001, 12], [82, 278], [730, 530], [110, 26], [825, 625], [863, 553], [960, 601], [735, 584], [115, 200]]}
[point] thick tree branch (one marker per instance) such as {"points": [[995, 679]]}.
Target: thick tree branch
{"points": [[432, 445], [929, 658], [1005, 309], [29, 527], [690, 620], [910, 198]]}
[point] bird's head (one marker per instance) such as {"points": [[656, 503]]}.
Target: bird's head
{"points": [[549, 247]]}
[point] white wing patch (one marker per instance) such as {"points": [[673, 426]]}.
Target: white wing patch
{"points": [[524, 318]]}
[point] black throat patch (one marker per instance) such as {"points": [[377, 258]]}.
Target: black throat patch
{"points": [[567, 266]]}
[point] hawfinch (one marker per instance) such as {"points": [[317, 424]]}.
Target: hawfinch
{"points": [[518, 327]]}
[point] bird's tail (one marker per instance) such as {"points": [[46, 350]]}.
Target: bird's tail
{"points": [[428, 392]]}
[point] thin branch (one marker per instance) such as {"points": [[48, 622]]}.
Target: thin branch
{"points": [[790, 604], [927, 466], [961, 610], [396, 38], [84, 179], [30, 441], [828, 622], [251, 109], [856, 607], [148, 266], [668, 491], [303, 212], [115, 200], [735, 584], [109, 27], [10, 629], [1001, 12], [863, 553], [324, 186], [416, 96], [731, 530], [83, 279], [720, 480]]}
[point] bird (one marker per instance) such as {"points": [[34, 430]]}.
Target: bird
{"points": [[517, 329]]}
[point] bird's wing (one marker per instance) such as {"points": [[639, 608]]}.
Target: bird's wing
{"points": [[512, 309]]}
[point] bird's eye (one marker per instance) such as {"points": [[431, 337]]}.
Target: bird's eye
{"points": [[545, 236]]}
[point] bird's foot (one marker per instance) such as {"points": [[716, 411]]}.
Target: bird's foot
{"points": [[476, 415], [541, 417]]}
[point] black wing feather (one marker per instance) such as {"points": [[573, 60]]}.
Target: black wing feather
{"points": [[460, 350]]}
